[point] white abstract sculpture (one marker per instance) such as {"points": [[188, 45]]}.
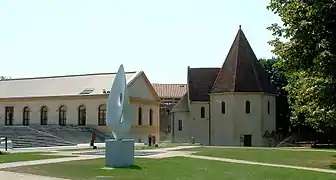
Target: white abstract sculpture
{"points": [[119, 112], [119, 151]]}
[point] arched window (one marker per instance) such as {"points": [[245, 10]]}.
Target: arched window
{"points": [[26, 116], [150, 117], [269, 107], [44, 115], [81, 115], [62, 115], [247, 107], [223, 107], [202, 112], [139, 116], [9, 115], [102, 115]]}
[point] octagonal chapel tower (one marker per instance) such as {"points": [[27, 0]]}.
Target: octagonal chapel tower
{"points": [[242, 98]]}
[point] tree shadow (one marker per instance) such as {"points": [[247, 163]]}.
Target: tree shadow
{"points": [[333, 165], [331, 146]]}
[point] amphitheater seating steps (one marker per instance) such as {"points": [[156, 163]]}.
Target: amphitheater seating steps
{"points": [[71, 133], [101, 135], [24, 136], [52, 135]]}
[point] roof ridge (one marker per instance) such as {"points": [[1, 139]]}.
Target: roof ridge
{"points": [[205, 68], [253, 66], [168, 84], [226, 58], [237, 58], [62, 76], [257, 77]]}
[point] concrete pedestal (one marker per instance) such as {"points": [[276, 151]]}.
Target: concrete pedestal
{"points": [[119, 153]]}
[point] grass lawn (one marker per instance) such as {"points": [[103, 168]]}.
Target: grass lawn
{"points": [[170, 168], [28, 156], [316, 159]]}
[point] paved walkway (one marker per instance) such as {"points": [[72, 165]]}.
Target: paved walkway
{"points": [[169, 148], [55, 148], [274, 148], [22, 176], [259, 163], [168, 152], [45, 161]]}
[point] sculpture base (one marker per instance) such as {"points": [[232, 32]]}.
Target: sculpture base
{"points": [[119, 153]]}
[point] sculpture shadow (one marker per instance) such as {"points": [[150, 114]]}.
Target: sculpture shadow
{"points": [[136, 167]]}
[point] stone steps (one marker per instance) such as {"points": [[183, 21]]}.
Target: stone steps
{"points": [[24, 137]]}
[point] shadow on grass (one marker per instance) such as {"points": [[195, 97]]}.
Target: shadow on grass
{"points": [[333, 165], [136, 167], [324, 146]]}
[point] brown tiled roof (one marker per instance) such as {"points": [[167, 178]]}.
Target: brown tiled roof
{"points": [[200, 81], [241, 71], [170, 90]]}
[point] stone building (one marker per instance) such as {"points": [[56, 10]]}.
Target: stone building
{"points": [[231, 105], [78, 100]]}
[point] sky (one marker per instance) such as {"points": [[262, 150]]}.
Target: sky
{"points": [[160, 37]]}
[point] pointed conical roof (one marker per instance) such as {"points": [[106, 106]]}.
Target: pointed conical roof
{"points": [[241, 71]]}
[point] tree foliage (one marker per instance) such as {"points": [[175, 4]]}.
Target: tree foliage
{"points": [[279, 80], [3, 78], [306, 48]]}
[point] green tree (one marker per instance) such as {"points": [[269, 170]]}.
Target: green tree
{"points": [[279, 80], [2, 78], [306, 48]]}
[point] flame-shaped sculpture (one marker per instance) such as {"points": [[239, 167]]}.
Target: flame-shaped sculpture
{"points": [[119, 115]]}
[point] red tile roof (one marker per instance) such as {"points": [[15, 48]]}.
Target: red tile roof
{"points": [[170, 90]]}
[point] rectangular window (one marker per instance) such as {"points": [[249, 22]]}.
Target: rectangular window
{"points": [[202, 112], [179, 125], [247, 107], [269, 107], [139, 116]]}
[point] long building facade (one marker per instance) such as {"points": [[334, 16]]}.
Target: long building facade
{"points": [[78, 100]]}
